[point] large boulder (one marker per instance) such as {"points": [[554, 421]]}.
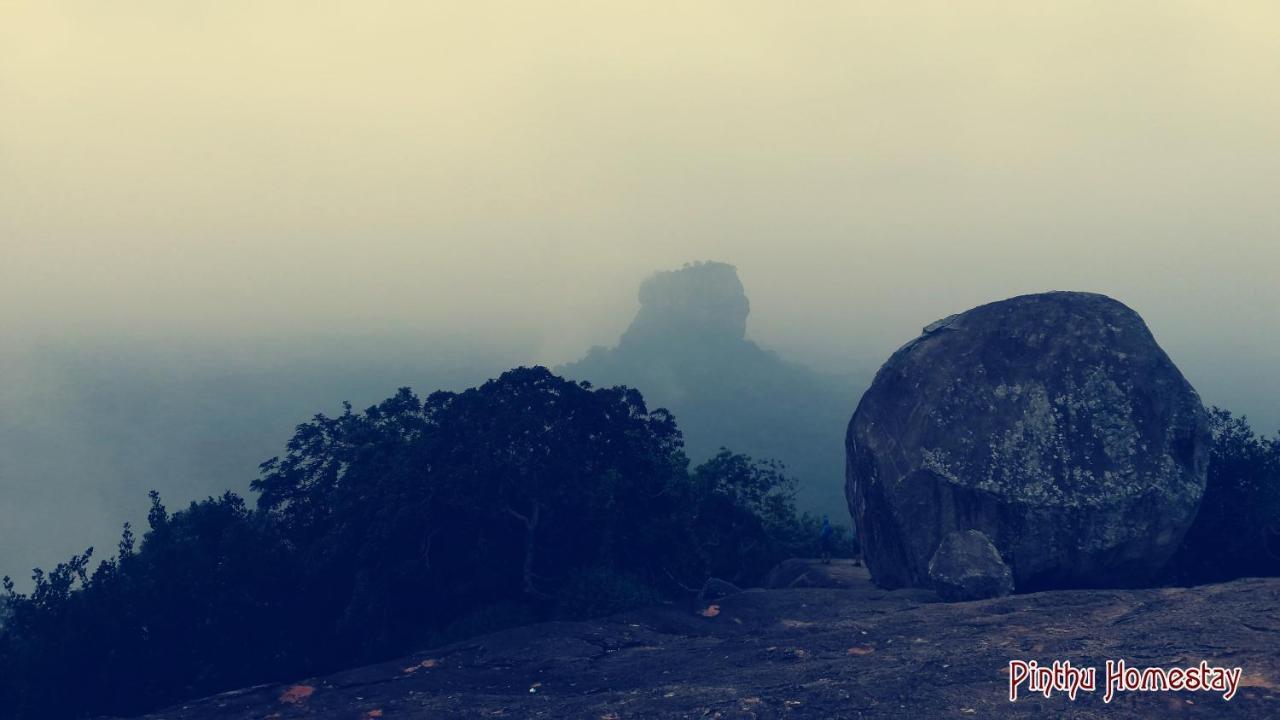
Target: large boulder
{"points": [[967, 566], [1052, 423]]}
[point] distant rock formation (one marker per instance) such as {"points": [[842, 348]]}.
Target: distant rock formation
{"points": [[687, 350], [703, 303], [1053, 423]]}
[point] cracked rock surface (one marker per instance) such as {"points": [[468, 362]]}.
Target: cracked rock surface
{"points": [[854, 652]]}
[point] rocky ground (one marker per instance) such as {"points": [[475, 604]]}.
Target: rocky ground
{"points": [[812, 652]]}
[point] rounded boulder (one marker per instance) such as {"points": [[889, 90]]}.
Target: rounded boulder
{"points": [[1051, 423]]}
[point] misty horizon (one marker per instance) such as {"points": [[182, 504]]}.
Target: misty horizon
{"points": [[299, 205], [95, 420]]}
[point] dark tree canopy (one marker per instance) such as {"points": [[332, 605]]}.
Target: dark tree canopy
{"points": [[411, 523], [1237, 530], [466, 499]]}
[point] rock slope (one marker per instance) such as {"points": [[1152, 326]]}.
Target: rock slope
{"points": [[856, 652]]}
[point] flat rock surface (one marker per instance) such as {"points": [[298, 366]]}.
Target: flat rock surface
{"points": [[813, 653], [806, 573]]}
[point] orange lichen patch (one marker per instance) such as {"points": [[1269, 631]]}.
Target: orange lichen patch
{"points": [[859, 650], [425, 664], [373, 714], [1258, 681], [710, 611], [295, 694]]}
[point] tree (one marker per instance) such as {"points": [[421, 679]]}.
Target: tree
{"points": [[412, 514], [1236, 532], [746, 521], [204, 604], [408, 524]]}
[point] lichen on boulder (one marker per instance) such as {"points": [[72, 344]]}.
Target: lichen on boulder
{"points": [[1052, 423]]}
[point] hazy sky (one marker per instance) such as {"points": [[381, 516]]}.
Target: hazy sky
{"points": [[222, 172]]}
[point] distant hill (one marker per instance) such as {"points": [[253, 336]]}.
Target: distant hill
{"points": [[687, 350]]}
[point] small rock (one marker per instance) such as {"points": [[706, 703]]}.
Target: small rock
{"points": [[967, 566], [715, 589]]}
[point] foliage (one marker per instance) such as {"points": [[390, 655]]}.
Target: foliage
{"points": [[413, 522], [596, 591], [1237, 530], [204, 604], [412, 513], [745, 519]]}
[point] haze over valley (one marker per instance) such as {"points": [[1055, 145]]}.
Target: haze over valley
{"points": [[216, 223]]}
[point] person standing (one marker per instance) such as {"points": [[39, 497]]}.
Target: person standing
{"points": [[824, 540]]}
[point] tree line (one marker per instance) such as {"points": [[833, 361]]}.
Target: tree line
{"points": [[421, 521], [412, 523]]}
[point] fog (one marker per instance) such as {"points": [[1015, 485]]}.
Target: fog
{"points": [[218, 219]]}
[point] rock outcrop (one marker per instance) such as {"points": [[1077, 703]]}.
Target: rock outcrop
{"points": [[717, 589], [704, 302], [1052, 423], [688, 350], [967, 566]]}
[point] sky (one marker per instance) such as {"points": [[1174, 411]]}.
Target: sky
{"points": [[197, 187]]}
